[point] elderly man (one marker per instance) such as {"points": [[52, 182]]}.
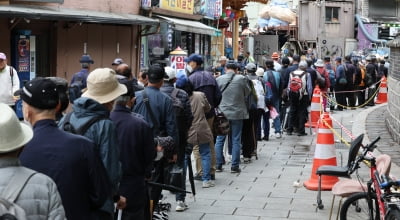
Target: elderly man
{"points": [[38, 195], [78, 81], [221, 66], [9, 82], [299, 98], [235, 89], [70, 160], [203, 81], [95, 105]]}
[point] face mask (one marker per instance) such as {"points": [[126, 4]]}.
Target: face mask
{"points": [[160, 154], [189, 68]]}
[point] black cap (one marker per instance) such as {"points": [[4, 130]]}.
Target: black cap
{"points": [[156, 72], [40, 93]]}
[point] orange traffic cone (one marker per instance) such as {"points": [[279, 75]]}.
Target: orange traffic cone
{"points": [[325, 154], [382, 95], [315, 108]]}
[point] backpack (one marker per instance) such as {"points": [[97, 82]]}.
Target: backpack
{"points": [[321, 81], [68, 127], [297, 84], [332, 77], [11, 193], [260, 92], [75, 89], [252, 99], [177, 104]]}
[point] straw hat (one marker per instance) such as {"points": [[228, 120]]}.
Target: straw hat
{"points": [[103, 86], [13, 133]]}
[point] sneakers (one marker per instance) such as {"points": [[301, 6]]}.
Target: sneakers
{"points": [[278, 135], [266, 138], [218, 168], [235, 170], [246, 160], [198, 177], [208, 184], [181, 206]]}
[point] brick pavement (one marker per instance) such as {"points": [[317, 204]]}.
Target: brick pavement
{"points": [[265, 188]]}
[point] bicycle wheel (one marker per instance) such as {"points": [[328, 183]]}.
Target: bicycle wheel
{"points": [[356, 207], [393, 214]]}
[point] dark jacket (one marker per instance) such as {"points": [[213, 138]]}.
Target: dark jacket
{"points": [[205, 82], [70, 160], [162, 108], [184, 121], [104, 135], [137, 151], [81, 75]]}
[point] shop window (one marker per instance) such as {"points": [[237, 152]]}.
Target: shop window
{"points": [[332, 14]]}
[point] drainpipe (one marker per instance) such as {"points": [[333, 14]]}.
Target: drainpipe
{"points": [[365, 32]]}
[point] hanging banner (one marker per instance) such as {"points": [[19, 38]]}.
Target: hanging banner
{"points": [[213, 8], [183, 6]]}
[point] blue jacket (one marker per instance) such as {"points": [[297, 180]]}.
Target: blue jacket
{"points": [[205, 82], [82, 74], [162, 108], [70, 160], [103, 134], [137, 151]]}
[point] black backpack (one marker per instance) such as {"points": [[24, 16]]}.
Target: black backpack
{"points": [[75, 89]]}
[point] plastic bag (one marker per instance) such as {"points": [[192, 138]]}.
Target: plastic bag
{"points": [[272, 112]]}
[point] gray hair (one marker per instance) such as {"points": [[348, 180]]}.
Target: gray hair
{"points": [[303, 65], [122, 100]]}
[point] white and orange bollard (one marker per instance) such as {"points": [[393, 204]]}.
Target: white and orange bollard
{"points": [[382, 95], [316, 106], [325, 154]]}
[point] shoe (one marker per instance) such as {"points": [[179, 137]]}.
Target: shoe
{"points": [[218, 168], [278, 135], [181, 206], [198, 177], [246, 160], [212, 176], [208, 184], [266, 138], [302, 134], [235, 170], [289, 133]]}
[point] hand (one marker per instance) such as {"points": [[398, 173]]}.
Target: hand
{"points": [[174, 158], [121, 204]]}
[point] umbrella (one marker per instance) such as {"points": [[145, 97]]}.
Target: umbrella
{"points": [[191, 179], [167, 187]]}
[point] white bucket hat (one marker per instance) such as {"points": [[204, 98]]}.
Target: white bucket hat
{"points": [[103, 86], [13, 133], [319, 63], [260, 72]]}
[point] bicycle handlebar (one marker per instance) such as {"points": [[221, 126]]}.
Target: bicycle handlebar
{"points": [[368, 148]]}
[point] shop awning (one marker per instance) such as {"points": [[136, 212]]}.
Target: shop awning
{"points": [[191, 26], [54, 13]]}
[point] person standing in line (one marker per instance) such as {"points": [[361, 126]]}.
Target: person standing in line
{"points": [[97, 102], [371, 76], [205, 82], [275, 58], [9, 82], [79, 79], [184, 118], [39, 198], [234, 89], [199, 133], [70, 160], [137, 151], [359, 81], [340, 87]]}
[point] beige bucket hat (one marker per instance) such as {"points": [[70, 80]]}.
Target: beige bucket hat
{"points": [[103, 86], [13, 133]]}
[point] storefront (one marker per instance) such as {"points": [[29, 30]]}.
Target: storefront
{"points": [[47, 41]]}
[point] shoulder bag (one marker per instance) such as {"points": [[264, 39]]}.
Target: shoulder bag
{"points": [[221, 123]]}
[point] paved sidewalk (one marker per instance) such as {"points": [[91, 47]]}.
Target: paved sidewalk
{"points": [[266, 188]]}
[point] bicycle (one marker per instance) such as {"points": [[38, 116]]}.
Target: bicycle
{"points": [[379, 201]]}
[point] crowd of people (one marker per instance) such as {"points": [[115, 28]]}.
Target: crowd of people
{"points": [[106, 141]]}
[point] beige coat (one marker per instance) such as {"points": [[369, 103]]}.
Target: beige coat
{"points": [[199, 132]]}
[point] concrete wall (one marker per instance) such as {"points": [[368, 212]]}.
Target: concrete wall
{"points": [[393, 116]]}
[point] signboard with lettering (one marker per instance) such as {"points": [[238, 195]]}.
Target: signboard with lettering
{"points": [[45, 1], [183, 6]]}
